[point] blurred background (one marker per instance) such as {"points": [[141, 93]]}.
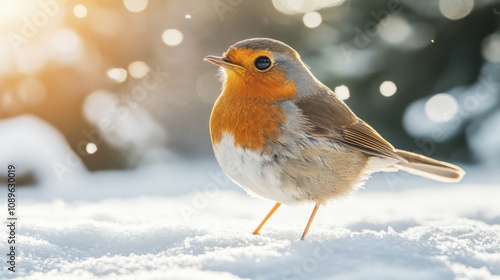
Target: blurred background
{"points": [[114, 85]]}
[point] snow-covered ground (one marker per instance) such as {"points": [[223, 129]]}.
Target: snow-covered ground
{"points": [[433, 232], [185, 220]]}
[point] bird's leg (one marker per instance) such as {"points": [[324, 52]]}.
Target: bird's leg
{"points": [[256, 231], [310, 221]]}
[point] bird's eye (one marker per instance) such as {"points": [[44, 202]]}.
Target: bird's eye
{"points": [[262, 63]]}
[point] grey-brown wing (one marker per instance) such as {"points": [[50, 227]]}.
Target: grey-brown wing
{"points": [[330, 117]]}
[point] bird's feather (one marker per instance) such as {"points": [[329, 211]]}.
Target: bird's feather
{"points": [[430, 168], [328, 116]]}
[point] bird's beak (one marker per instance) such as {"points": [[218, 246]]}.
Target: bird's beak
{"points": [[223, 61]]}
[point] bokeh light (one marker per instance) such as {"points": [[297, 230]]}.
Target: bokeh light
{"points": [[80, 11], [117, 74], [138, 69], [303, 6], [66, 41], [312, 19], [135, 6], [491, 48], [91, 148], [394, 29], [441, 107], [388, 88], [172, 37], [67, 46], [342, 92], [288, 6], [456, 9]]}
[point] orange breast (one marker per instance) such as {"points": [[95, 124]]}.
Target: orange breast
{"points": [[247, 110]]}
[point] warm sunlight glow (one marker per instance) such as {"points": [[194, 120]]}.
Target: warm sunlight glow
{"points": [[15, 10]]}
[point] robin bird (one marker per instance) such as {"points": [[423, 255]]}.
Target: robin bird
{"points": [[282, 135]]}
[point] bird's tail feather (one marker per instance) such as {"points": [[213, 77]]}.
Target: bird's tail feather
{"points": [[430, 168]]}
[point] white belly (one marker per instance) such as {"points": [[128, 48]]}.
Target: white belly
{"points": [[257, 173]]}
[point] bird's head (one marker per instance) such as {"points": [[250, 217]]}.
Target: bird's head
{"points": [[263, 68]]}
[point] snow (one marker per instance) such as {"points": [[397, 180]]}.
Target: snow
{"points": [[186, 220], [445, 232]]}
